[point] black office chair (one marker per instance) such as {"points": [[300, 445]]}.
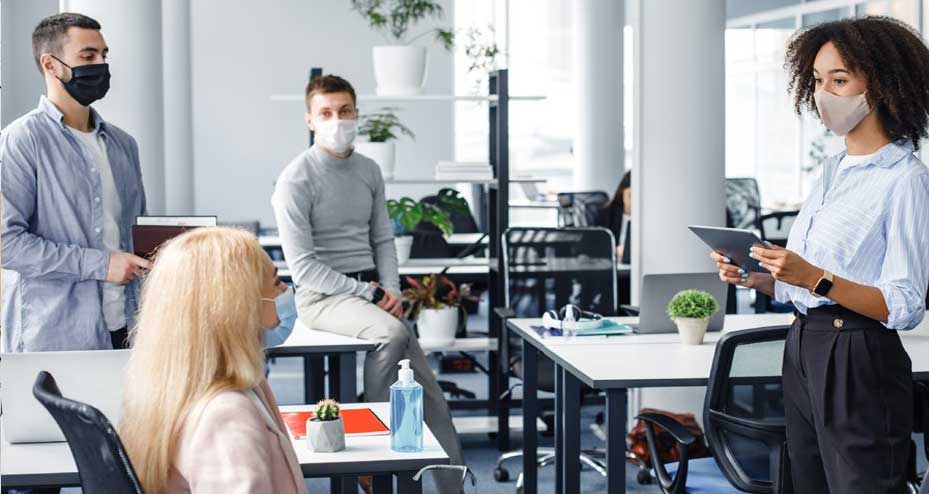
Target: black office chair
{"points": [[577, 209], [925, 488], [428, 241], [546, 268], [102, 463], [743, 416]]}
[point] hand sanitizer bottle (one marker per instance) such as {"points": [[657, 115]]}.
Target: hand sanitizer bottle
{"points": [[406, 412]]}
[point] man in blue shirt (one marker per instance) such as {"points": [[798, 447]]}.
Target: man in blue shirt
{"points": [[72, 187]]}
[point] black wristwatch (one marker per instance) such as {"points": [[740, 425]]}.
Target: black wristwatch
{"points": [[823, 285], [378, 295]]}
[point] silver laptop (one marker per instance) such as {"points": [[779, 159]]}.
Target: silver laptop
{"points": [[657, 291], [93, 377]]}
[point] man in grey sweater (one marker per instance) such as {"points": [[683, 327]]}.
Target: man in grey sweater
{"points": [[337, 238]]}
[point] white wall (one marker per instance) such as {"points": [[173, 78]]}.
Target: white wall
{"points": [[242, 52], [20, 79]]}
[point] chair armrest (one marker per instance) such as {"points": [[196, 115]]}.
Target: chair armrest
{"points": [[504, 312], [632, 310], [684, 438], [675, 428]]}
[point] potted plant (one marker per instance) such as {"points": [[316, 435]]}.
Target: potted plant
{"points": [[691, 310], [435, 305], [380, 128], [400, 69], [406, 213], [325, 432]]}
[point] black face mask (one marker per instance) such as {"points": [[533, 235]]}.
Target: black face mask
{"points": [[88, 82]]}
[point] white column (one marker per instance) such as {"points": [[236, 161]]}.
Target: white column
{"points": [[598, 55], [132, 30], [20, 78], [179, 180], [679, 179]]}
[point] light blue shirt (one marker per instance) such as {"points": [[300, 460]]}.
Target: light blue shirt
{"points": [[54, 260], [868, 223]]}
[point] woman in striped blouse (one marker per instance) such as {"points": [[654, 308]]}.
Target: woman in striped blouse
{"points": [[856, 266]]}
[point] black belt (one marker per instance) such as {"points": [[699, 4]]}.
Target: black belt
{"points": [[366, 276], [836, 317]]}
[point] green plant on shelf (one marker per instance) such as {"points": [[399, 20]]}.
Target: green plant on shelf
{"points": [[327, 410], [382, 125], [405, 213], [692, 304], [396, 17]]}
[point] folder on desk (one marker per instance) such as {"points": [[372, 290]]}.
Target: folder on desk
{"points": [[357, 421], [150, 232]]}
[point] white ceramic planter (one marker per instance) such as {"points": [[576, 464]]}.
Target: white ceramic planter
{"points": [[691, 329], [325, 436], [437, 326], [404, 245], [399, 70], [382, 153]]}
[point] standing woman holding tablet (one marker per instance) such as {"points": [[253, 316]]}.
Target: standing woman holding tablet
{"points": [[856, 266]]}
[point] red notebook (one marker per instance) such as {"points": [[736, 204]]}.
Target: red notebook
{"points": [[358, 422]]}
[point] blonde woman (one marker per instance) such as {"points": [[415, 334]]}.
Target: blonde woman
{"points": [[199, 416]]}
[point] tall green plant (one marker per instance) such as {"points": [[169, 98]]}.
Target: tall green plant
{"points": [[396, 17], [406, 212], [380, 126]]}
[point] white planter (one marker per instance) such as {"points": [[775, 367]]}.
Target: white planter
{"points": [[382, 153], [437, 326], [404, 245], [399, 70], [325, 436], [691, 329]]}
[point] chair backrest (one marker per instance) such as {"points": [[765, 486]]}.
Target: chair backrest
{"points": [[102, 462], [744, 412], [546, 268], [743, 203], [581, 208]]}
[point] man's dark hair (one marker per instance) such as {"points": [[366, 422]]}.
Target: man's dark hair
{"points": [[888, 53], [327, 84], [51, 33]]}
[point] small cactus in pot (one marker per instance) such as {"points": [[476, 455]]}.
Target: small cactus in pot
{"points": [[325, 432]]}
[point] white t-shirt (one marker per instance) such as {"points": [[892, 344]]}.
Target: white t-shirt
{"points": [[849, 161], [114, 296]]}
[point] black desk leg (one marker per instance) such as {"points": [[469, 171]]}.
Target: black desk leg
{"points": [[343, 485], [559, 429], [530, 411], [343, 378], [502, 375], [572, 433], [616, 402], [383, 484], [406, 484], [314, 382]]}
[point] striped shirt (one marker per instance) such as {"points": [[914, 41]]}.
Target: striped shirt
{"points": [[868, 222]]}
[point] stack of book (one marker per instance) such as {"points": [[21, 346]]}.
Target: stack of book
{"points": [[452, 170]]}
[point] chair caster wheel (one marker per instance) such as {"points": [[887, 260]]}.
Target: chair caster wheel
{"points": [[501, 475], [643, 477]]}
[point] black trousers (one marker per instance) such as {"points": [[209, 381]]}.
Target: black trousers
{"points": [[848, 400], [120, 339]]}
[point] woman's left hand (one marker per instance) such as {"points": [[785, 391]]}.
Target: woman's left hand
{"points": [[786, 266]]}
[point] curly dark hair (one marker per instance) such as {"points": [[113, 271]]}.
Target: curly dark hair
{"points": [[890, 55]]}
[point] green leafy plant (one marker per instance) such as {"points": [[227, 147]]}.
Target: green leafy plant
{"points": [[694, 304], [327, 410], [434, 291], [405, 213], [481, 49], [380, 126], [396, 17]]}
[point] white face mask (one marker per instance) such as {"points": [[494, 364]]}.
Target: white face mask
{"points": [[841, 114], [336, 135]]}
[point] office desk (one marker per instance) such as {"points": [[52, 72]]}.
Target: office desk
{"points": [[454, 240], [615, 364], [468, 267], [314, 347], [52, 464]]}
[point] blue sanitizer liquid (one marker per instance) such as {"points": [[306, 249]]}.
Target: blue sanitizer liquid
{"points": [[406, 414]]}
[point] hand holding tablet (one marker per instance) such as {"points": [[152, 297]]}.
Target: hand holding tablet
{"points": [[733, 243]]}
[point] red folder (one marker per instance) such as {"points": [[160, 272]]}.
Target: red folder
{"points": [[358, 422]]}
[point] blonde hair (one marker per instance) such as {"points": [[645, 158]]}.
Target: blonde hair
{"points": [[197, 333]]}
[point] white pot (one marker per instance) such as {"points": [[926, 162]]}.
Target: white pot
{"points": [[437, 326], [404, 245], [691, 329], [382, 153], [325, 436], [399, 70]]}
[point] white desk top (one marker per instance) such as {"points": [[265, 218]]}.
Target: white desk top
{"points": [[419, 267], [630, 361], [304, 341], [36, 464], [458, 239]]}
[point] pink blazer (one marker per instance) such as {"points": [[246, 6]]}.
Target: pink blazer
{"points": [[227, 445]]}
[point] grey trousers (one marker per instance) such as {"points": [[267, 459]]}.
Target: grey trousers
{"points": [[353, 316]]}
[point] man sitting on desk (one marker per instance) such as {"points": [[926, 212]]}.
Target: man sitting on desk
{"points": [[337, 238]]}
